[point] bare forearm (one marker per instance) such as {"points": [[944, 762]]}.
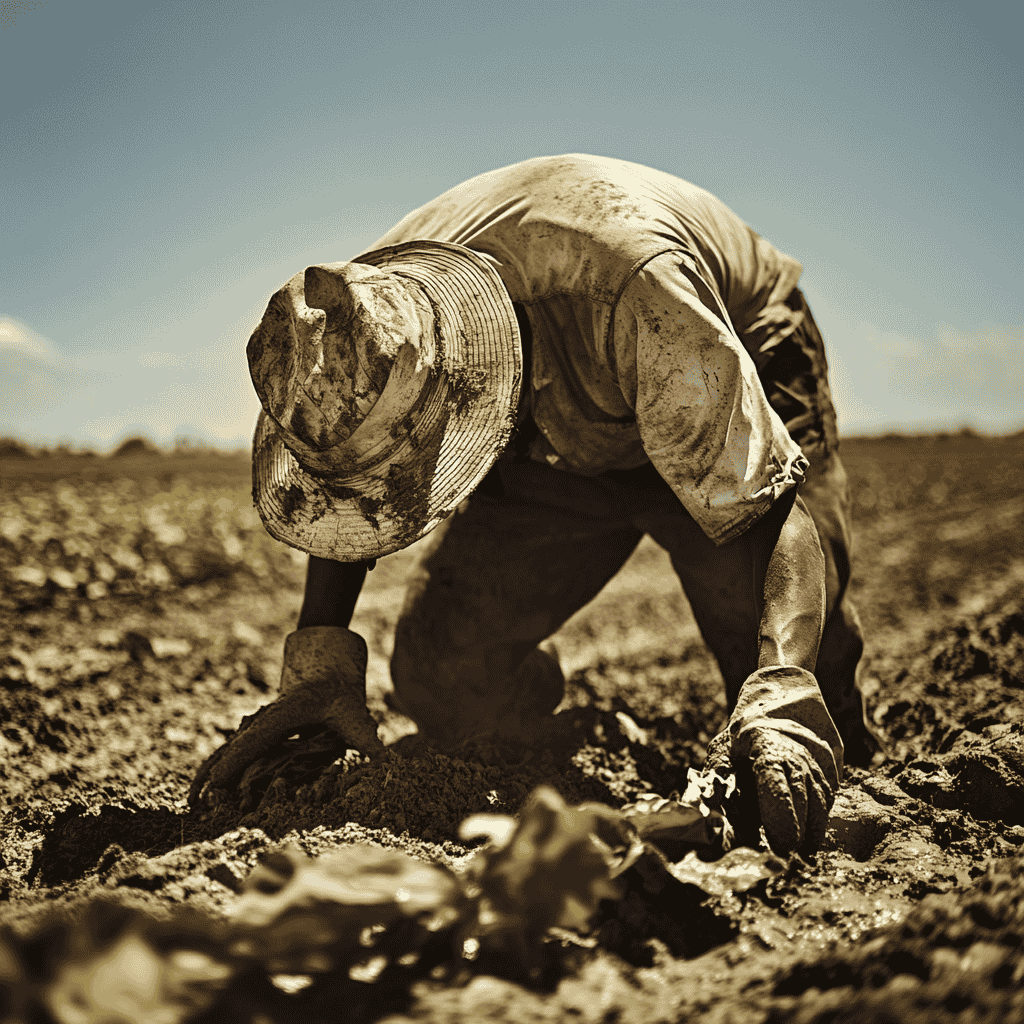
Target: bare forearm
{"points": [[790, 573], [332, 589]]}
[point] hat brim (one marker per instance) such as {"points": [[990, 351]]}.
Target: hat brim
{"points": [[458, 432]]}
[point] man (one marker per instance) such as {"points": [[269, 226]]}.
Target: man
{"points": [[541, 366]]}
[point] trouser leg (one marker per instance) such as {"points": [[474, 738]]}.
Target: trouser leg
{"points": [[718, 581], [529, 549]]}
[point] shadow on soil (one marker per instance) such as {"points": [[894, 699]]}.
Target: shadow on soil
{"points": [[83, 840]]}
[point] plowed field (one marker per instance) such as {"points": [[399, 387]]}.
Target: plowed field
{"points": [[142, 614]]}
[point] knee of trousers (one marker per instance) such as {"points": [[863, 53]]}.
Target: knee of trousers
{"points": [[457, 692]]}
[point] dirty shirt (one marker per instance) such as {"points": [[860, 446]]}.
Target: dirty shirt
{"points": [[639, 288]]}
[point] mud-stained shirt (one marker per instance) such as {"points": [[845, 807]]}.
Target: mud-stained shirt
{"points": [[639, 288]]}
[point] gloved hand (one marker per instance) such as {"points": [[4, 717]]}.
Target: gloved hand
{"points": [[323, 680], [782, 735]]}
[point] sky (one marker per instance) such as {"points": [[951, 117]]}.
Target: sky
{"points": [[165, 167]]}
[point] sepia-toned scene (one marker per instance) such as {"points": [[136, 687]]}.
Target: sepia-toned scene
{"points": [[511, 514]]}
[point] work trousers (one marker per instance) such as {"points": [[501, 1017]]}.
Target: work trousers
{"points": [[533, 545]]}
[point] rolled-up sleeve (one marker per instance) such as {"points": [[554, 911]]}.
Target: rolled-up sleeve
{"points": [[703, 418]]}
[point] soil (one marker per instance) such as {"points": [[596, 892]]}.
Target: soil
{"points": [[110, 698]]}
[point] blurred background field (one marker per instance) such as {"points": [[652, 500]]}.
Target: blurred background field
{"points": [[75, 528], [80, 528], [940, 518]]}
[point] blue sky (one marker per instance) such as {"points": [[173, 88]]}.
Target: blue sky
{"points": [[165, 167]]}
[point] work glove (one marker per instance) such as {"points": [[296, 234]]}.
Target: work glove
{"points": [[323, 681], [782, 742]]}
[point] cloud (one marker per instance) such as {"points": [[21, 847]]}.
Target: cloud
{"points": [[949, 379], [18, 337], [986, 363], [32, 378], [45, 396], [974, 371]]}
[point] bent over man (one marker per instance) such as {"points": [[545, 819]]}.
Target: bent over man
{"points": [[537, 368]]}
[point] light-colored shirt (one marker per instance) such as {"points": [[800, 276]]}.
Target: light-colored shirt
{"points": [[639, 287]]}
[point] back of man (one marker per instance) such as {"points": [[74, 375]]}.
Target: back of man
{"points": [[573, 238], [578, 226]]}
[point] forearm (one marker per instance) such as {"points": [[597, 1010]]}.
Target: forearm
{"points": [[789, 571], [332, 589]]}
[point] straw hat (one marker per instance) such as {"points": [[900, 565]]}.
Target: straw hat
{"points": [[389, 387]]}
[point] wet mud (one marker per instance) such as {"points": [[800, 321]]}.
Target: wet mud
{"points": [[910, 912]]}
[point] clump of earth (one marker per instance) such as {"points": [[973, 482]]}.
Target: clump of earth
{"points": [[910, 912]]}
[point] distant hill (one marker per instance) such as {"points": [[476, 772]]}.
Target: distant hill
{"points": [[11, 449], [133, 447]]}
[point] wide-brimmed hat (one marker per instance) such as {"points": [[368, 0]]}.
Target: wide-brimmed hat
{"points": [[389, 386]]}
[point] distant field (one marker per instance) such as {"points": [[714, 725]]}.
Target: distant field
{"points": [[84, 529], [94, 530], [233, 469], [928, 452]]}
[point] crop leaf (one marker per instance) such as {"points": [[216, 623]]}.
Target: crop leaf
{"points": [[303, 916]]}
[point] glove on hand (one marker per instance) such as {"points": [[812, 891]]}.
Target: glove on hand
{"points": [[323, 681], [782, 734]]}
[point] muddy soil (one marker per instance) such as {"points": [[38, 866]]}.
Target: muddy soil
{"points": [[912, 911]]}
